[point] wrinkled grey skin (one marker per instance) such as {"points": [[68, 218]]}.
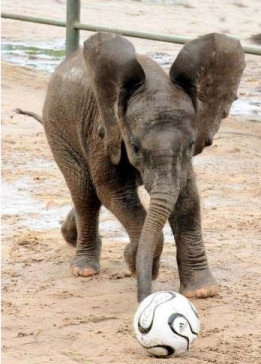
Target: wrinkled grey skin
{"points": [[115, 120]]}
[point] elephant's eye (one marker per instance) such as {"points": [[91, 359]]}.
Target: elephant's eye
{"points": [[134, 147]]}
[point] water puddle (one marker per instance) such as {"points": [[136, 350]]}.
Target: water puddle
{"points": [[30, 213], [38, 56], [244, 107]]}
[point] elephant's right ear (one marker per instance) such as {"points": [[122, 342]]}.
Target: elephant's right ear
{"points": [[115, 74], [209, 70]]}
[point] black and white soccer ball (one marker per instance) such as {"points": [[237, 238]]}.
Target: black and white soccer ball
{"points": [[166, 323]]}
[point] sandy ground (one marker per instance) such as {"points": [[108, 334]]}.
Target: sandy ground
{"points": [[51, 316]]}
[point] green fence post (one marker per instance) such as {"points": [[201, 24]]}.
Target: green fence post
{"points": [[72, 34]]}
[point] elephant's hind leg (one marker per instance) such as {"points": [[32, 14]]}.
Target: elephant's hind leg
{"points": [[81, 225], [87, 258], [68, 229], [81, 264]]}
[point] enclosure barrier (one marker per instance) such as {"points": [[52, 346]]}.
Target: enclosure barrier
{"points": [[73, 27]]}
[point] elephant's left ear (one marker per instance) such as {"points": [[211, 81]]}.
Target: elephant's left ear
{"points": [[209, 70], [115, 74]]}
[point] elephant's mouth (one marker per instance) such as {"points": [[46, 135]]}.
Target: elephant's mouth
{"points": [[208, 142], [139, 179], [148, 185]]}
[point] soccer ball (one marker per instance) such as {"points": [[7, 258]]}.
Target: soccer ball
{"points": [[166, 323]]}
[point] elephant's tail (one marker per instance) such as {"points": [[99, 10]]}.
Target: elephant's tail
{"points": [[29, 113]]}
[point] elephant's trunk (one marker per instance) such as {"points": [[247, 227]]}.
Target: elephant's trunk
{"points": [[161, 206]]}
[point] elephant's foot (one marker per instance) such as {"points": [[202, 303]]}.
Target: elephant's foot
{"points": [[200, 284], [84, 266], [130, 260]]}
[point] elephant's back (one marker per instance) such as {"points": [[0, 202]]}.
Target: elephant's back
{"points": [[66, 87], [72, 70], [69, 101]]}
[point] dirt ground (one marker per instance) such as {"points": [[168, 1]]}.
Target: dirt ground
{"points": [[50, 316]]}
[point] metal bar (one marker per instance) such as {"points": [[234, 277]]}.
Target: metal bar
{"points": [[32, 19], [153, 36], [135, 34], [72, 33], [129, 33], [252, 50]]}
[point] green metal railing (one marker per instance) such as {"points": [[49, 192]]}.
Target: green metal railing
{"points": [[73, 27]]}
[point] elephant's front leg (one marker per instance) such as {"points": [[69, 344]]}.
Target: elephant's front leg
{"points": [[123, 201], [196, 279], [130, 256]]}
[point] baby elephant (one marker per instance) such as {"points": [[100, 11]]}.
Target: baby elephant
{"points": [[115, 120]]}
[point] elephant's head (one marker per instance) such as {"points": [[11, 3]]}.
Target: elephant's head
{"points": [[162, 119]]}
